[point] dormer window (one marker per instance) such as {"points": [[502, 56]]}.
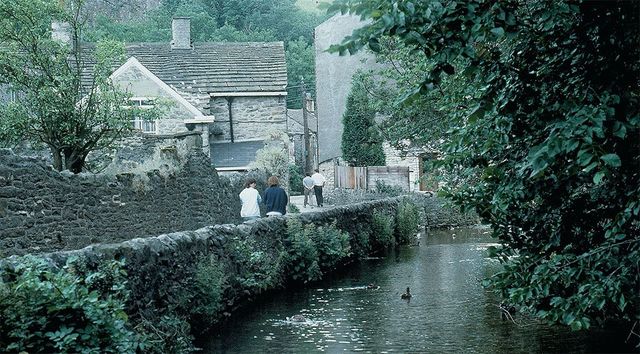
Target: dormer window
{"points": [[147, 126]]}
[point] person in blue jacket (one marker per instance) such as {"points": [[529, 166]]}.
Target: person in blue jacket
{"points": [[275, 198]]}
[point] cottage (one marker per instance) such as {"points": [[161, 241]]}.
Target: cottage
{"points": [[233, 93]]}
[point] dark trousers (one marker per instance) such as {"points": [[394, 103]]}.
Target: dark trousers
{"points": [[318, 191]]}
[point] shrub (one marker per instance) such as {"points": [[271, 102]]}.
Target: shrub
{"points": [[302, 258], [295, 180], [65, 310], [210, 282], [389, 190], [332, 244], [382, 226], [407, 221], [256, 270], [293, 209]]}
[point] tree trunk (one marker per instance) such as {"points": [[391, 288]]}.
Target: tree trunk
{"points": [[57, 157], [74, 160]]}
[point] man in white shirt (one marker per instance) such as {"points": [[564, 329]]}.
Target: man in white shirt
{"points": [[308, 185], [318, 183]]}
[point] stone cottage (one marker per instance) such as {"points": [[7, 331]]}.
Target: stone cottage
{"points": [[232, 93]]}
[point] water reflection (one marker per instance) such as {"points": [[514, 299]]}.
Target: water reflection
{"points": [[448, 312]]}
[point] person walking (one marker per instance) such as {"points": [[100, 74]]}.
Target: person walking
{"points": [[275, 198], [250, 199], [307, 184], [318, 183]]}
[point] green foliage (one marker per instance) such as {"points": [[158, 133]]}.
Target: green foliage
{"points": [[293, 209], [547, 147], [302, 258], [166, 333], [382, 230], [313, 249], [408, 222], [210, 282], [295, 180], [332, 244], [391, 191], [64, 310], [52, 106], [255, 269], [301, 59], [273, 159], [361, 143]]}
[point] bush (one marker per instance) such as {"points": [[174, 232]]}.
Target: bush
{"points": [[293, 209], [407, 222], [210, 282], [382, 227], [389, 190], [332, 244], [46, 309], [295, 180], [302, 258], [256, 270]]}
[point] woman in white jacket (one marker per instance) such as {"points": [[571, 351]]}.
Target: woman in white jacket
{"points": [[250, 199]]}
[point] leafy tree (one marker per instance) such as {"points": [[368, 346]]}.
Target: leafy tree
{"points": [[300, 66], [551, 144], [361, 143], [52, 105]]}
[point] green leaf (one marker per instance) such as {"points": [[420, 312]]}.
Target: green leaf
{"points": [[498, 31], [612, 160], [598, 177]]}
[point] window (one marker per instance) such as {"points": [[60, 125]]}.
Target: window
{"points": [[144, 125]]}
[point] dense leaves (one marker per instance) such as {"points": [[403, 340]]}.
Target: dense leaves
{"points": [[361, 143], [64, 310], [549, 147]]}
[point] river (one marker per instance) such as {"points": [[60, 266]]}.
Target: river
{"points": [[449, 311]]}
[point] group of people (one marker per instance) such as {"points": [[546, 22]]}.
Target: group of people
{"points": [[275, 198]]}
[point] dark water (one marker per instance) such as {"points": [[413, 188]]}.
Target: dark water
{"points": [[449, 311]]}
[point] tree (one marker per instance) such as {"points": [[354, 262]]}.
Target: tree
{"points": [[551, 143], [361, 143], [52, 105]]}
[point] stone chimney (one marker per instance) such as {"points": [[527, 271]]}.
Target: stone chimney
{"points": [[181, 29], [61, 32]]}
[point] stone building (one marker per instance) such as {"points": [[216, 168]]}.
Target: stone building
{"points": [[233, 93]]}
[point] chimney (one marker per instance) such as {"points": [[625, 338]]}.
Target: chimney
{"points": [[61, 32], [181, 29]]}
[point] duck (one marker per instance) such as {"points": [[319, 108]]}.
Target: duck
{"points": [[297, 318], [373, 286], [407, 295]]}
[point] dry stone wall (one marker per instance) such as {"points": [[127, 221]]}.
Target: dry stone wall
{"points": [[42, 210]]}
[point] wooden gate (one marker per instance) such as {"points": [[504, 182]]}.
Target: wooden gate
{"points": [[351, 177]]}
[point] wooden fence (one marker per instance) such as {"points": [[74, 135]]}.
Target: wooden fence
{"points": [[366, 177]]}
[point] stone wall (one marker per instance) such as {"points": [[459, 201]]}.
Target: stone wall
{"points": [[42, 210], [252, 117]]}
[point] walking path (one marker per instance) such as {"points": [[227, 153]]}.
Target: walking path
{"points": [[298, 200]]}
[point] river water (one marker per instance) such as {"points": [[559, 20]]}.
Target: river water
{"points": [[449, 312]]}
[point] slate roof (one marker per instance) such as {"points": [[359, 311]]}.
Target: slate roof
{"points": [[211, 67], [296, 123], [237, 154]]}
